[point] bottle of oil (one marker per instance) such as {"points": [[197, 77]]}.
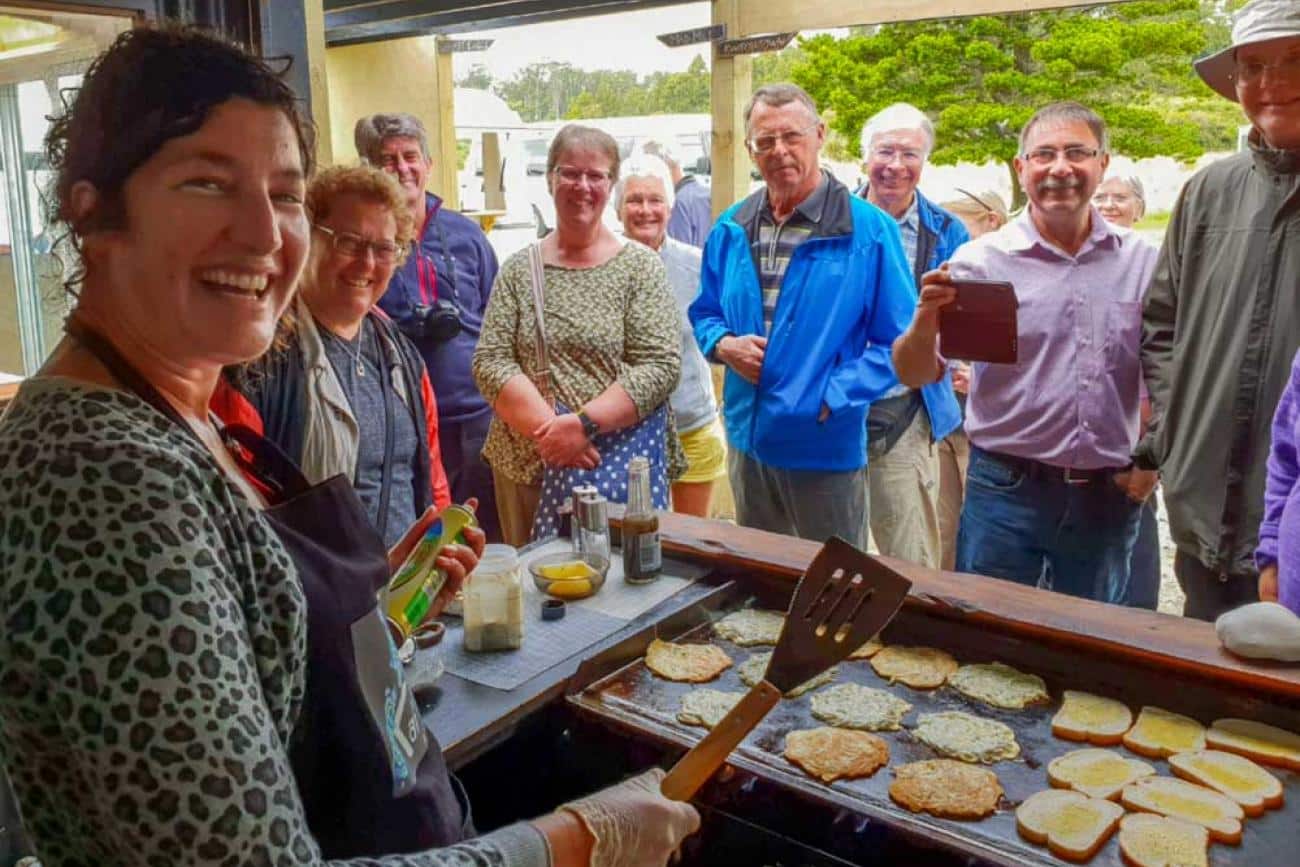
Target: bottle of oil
{"points": [[642, 554]]}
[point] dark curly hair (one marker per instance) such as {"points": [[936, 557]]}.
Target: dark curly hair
{"points": [[153, 84]]}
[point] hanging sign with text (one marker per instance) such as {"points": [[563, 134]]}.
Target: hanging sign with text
{"points": [[693, 36], [754, 44], [457, 46]]}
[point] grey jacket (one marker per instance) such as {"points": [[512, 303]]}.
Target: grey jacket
{"points": [[1221, 324]]}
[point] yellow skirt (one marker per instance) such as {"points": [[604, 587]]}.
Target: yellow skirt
{"points": [[706, 454]]}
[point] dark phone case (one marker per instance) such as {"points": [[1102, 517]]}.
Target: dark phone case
{"points": [[981, 324]]}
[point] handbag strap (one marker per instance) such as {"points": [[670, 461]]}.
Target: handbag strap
{"points": [[537, 277]]}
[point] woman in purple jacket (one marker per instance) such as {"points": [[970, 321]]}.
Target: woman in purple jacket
{"points": [[1278, 555]]}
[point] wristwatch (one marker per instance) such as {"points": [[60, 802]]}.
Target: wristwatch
{"points": [[589, 426]]}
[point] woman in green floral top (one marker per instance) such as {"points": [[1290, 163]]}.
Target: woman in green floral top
{"points": [[611, 332]]}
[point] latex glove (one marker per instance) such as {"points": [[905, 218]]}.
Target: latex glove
{"points": [[1261, 630], [632, 824]]}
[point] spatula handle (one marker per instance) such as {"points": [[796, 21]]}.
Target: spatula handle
{"points": [[695, 768]]}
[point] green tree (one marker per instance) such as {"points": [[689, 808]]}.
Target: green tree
{"points": [[478, 78], [981, 78], [584, 106]]}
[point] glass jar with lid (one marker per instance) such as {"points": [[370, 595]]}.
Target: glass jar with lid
{"points": [[493, 607]]}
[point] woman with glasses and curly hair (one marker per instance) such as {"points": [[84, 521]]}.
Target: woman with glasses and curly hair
{"points": [[349, 393]]}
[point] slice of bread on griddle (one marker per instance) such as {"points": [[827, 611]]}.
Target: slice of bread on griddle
{"points": [[1245, 782], [1091, 719], [1266, 744], [1178, 799], [1095, 772], [1159, 733], [1146, 840], [1071, 825]]}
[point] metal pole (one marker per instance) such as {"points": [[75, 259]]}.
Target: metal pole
{"points": [[30, 318]]}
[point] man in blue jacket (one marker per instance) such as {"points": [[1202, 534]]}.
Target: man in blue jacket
{"points": [[802, 290], [437, 298], [906, 425]]}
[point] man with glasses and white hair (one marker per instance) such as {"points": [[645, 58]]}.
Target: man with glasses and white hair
{"points": [[437, 298], [1052, 496], [802, 291], [1221, 324], [905, 427]]}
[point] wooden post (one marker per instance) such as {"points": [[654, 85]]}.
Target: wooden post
{"points": [[732, 79], [494, 195], [443, 179], [318, 80]]}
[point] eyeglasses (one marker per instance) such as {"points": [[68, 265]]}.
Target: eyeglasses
{"points": [[1073, 155], [574, 176], [1253, 71], [1112, 198], [354, 246], [887, 153], [767, 143]]}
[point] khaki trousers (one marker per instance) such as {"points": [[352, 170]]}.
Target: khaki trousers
{"points": [[904, 496], [516, 506], [954, 456]]}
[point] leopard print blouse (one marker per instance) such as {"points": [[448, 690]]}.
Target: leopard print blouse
{"points": [[153, 649]]}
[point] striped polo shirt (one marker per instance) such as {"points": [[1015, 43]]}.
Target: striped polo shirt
{"points": [[775, 243]]}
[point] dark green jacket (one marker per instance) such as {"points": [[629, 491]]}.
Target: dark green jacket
{"points": [[1221, 324]]}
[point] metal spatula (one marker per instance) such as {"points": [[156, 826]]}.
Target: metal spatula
{"points": [[843, 599]]}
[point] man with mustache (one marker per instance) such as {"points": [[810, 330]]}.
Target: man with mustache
{"points": [[1222, 324], [1052, 497], [803, 288]]}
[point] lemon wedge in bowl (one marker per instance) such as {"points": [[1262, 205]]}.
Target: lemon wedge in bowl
{"points": [[566, 575]]}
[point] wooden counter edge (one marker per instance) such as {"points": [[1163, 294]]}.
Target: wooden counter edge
{"points": [[1168, 641]]}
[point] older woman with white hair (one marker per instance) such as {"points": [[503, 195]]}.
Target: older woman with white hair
{"points": [[643, 199], [1121, 200]]}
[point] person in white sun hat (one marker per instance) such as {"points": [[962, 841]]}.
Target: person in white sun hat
{"points": [[1221, 320]]}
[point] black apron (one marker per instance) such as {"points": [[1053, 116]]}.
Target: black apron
{"points": [[371, 777]]}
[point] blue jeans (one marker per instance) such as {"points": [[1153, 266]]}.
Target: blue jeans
{"points": [[1030, 527], [1145, 567]]}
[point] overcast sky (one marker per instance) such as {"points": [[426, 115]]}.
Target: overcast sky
{"points": [[625, 40]]}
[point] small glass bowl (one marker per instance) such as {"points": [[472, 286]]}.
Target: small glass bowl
{"points": [[551, 576]]}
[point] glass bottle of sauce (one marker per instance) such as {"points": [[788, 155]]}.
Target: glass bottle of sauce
{"points": [[642, 552]]}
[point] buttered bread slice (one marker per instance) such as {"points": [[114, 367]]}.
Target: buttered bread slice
{"points": [[1091, 718], [1071, 825], [1177, 799], [1245, 782], [1156, 841], [1096, 773], [1266, 744], [1159, 733]]}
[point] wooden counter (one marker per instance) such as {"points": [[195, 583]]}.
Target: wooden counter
{"points": [[469, 718], [1169, 642]]}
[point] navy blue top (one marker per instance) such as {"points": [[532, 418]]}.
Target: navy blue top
{"points": [[692, 215], [453, 248]]}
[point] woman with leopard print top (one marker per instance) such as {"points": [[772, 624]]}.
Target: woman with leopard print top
{"points": [[163, 630]]}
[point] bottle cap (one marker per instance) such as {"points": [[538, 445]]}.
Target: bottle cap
{"points": [[552, 609]]}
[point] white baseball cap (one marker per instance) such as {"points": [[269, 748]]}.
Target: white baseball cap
{"points": [[1257, 21]]}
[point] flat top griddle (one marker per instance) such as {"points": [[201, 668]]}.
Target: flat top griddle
{"points": [[635, 699]]}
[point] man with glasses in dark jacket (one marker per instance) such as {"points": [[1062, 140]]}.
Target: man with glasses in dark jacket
{"points": [[437, 299], [1221, 322]]}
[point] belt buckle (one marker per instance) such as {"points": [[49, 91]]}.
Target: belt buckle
{"points": [[1076, 481]]}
